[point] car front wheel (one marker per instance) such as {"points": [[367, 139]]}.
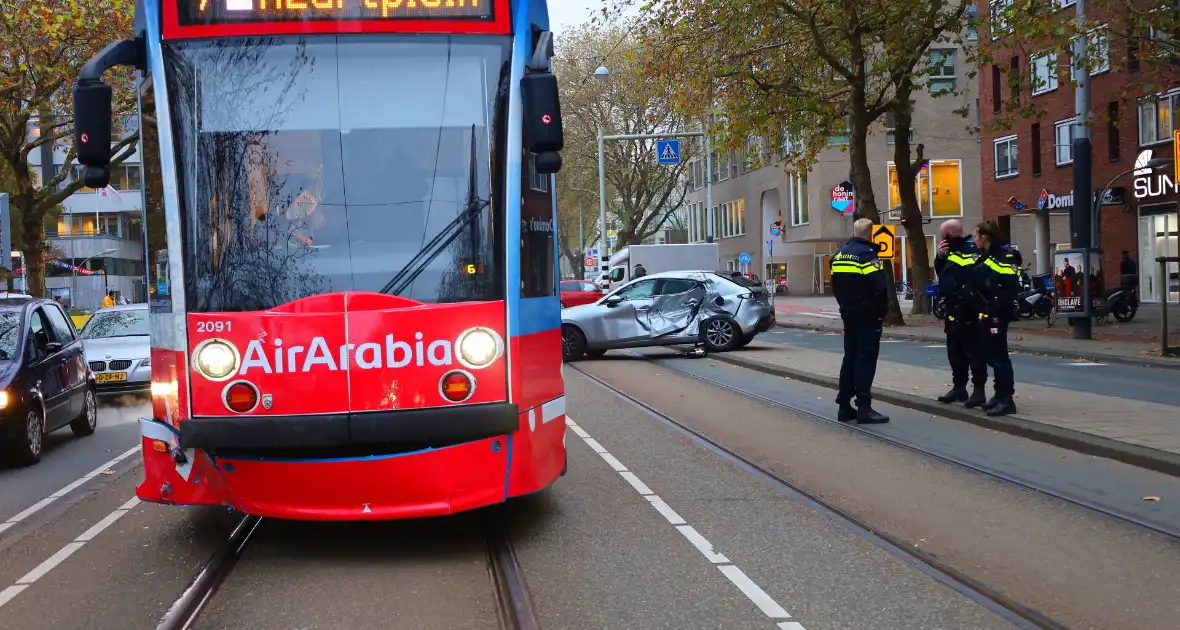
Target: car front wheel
{"points": [[28, 450], [573, 343], [720, 334]]}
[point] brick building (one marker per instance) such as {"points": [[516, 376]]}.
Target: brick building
{"points": [[1033, 161]]}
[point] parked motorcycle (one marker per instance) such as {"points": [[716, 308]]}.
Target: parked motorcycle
{"points": [[1036, 298], [1123, 301]]}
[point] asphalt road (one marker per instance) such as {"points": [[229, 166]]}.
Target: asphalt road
{"points": [[649, 529], [1116, 380]]}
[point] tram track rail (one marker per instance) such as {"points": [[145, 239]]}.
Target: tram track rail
{"points": [[514, 610], [917, 448], [975, 590]]}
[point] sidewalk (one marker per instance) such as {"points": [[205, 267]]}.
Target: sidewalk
{"points": [[1135, 343], [1139, 433]]}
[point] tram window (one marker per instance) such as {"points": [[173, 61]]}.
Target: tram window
{"points": [[329, 179], [538, 272]]}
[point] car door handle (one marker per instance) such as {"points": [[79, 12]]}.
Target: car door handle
{"points": [[693, 302], [643, 308]]}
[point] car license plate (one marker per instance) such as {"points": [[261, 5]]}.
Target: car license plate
{"points": [[110, 377]]}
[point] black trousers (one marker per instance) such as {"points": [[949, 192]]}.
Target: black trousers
{"points": [[862, 344], [964, 351], [995, 351]]}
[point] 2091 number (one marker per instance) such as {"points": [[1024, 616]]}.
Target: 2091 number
{"points": [[214, 327]]}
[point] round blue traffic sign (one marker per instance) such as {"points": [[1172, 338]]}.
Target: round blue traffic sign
{"points": [[744, 259]]}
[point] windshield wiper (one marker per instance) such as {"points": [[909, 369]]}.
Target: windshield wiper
{"points": [[439, 244]]}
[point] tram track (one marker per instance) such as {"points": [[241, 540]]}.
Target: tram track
{"points": [[514, 609], [975, 590]]}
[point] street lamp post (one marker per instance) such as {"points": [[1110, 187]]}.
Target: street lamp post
{"points": [[74, 273], [603, 72]]}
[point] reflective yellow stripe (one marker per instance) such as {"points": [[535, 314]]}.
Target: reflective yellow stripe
{"points": [[959, 259], [863, 269], [1002, 269]]}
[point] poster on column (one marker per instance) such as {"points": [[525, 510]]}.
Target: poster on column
{"points": [[1069, 276]]}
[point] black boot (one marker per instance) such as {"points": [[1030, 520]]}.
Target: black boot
{"points": [[991, 402], [1004, 407], [846, 413], [976, 399], [957, 394], [866, 415]]}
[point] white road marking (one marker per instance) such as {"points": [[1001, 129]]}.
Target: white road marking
{"points": [[892, 341], [823, 315], [759, 597], [935, 346], [74, 485], [1084, 364], [53, 561]]}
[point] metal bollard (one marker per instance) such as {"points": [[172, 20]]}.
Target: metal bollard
{"points": [[1163, 262]]}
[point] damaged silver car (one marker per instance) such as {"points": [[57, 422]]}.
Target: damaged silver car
{"points": [[709, 309]]}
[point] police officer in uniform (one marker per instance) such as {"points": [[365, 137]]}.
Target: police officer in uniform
{"points": [[998, 283], [956, 260], [859, 284]]}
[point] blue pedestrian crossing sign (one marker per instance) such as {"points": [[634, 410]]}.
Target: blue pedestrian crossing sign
{"points": [[668, 151]]}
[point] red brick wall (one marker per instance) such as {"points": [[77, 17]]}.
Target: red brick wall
{"points": [[1118, 224]]}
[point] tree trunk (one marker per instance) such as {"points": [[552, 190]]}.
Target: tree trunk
{"points": [[33, 226], [866, 201], [911, 213]]}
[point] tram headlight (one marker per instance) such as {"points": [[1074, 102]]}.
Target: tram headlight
{"points": [[216, 360], [479, 347]]}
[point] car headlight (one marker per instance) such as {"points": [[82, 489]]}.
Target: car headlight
{"points": [[216, 360], [3, 399], [146, 362], [479, 347]]}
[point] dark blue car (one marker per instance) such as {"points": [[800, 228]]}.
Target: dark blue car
{"points": [[45, 383]]}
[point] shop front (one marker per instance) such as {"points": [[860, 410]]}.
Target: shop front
{"points": [[1157, 195]]}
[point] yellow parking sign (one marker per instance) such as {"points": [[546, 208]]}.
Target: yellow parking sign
{"points": [[884, 239]]}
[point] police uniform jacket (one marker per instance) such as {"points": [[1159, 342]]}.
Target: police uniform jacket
{"points": [[858, 281], [997, 282], [955, 272]]}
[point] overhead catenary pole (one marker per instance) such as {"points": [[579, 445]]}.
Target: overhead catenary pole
{"points": [[1081, 217], [581, 240], [602, 140]]}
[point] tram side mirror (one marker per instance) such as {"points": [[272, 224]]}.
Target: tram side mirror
{"points": [[92, 131], [542, 120]]}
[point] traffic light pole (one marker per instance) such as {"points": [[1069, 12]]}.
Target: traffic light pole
{"points": [[1081, 219], [602, 140]]}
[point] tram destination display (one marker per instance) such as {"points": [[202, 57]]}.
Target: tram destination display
{"points": [[211, 12]]}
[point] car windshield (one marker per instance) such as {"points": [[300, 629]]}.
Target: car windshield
{"points": [[320, 164], [737, 278], [9, 335], [129, 323]]}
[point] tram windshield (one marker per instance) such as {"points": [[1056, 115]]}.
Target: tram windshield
{"points": [[310, 165]]}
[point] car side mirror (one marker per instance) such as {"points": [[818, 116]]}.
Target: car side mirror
{"points": [[613, 301], [53, 346]]}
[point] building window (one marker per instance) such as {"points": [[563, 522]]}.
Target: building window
{"points": [[797, 199], [1035, 133], [843, 134], [1044, 73], [1112, 131], [1065, 3], [697, 223], [538, 182], [1157, 119], [697, 174], [938, 187], [732, 218], [999, 18], [1006, 157], [1063, 135], [891, 127], [997, 97], [942, 70], [1098, 50]]}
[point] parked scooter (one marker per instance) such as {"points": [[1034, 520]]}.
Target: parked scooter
{"points": [[1036, 298], [1123, 302]]}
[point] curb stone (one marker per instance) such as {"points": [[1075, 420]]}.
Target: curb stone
{"points": [[1146, 361], [1140, 456]]}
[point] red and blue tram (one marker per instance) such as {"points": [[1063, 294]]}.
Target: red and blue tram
{"points": [[358, 316]]}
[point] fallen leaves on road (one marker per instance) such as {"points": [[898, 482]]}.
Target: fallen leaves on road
{"points": [[1152, 499], [107, 472]]}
